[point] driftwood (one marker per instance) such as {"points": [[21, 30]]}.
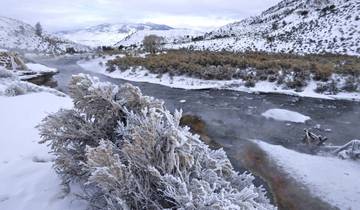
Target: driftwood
{"points": [[350, 150], [313, 139]]}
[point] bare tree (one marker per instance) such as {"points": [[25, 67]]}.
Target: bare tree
{"points": [[38, 29], [152, 43]]}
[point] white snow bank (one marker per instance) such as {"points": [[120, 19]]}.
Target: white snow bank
{"points": [[27, 179], [189, 83], [333, 180], [285, 115], [40, 68], [10, 85]]}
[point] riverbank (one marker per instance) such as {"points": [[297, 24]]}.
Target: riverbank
{"points": [[27, 178], [330, 179], [309, 89]]}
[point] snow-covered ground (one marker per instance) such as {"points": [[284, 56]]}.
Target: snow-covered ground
{"points": [[285, 115], [95, 39], [331, 179], [108, 34], [170, 36], [34, 70], [36, 67], [11, 84], [184, 82], [27, 179]]}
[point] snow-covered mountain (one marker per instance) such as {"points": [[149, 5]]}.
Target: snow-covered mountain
{"points": [[170, 36], [295, 26], [17, 35], [108, 34]]}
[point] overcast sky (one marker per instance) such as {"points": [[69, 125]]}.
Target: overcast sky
{"points": [[66, 14]]}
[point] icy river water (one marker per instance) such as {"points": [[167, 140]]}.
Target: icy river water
{"points": [[232, 118]]}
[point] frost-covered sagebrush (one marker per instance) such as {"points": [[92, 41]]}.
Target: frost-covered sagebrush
{"points": [[129, 152]]}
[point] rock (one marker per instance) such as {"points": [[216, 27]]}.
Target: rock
{"points": [[34, 73]]}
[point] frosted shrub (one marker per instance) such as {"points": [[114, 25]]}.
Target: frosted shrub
{"points": [[129, 152], [14, 90], [5, 73]]}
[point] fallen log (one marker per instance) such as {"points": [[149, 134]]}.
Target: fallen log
{"points": [[313, 139], [351, 150]]}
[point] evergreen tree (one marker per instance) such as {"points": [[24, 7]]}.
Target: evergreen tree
{"points": [[38, 29]]}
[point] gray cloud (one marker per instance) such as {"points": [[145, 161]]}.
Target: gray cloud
{"points": [[64, 14]]}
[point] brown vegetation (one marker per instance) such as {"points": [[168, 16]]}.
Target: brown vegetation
{"points": [[251, 67], [198, 126]]}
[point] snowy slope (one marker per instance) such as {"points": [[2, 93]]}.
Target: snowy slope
{"points": [[170, 36], [27, 179], [300, 26], [17, 35], [108, 34]]}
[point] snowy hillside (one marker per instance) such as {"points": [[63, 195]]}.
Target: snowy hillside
{"points": [[17, 35], [108, 34], [170, 36], [299, 26]]}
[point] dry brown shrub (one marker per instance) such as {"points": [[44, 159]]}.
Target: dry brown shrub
{"points": [[202, 64]]}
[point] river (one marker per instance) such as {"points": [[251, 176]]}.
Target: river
{"points": [[232, 118]]}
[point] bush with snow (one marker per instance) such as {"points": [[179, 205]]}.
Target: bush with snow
{"points": [[14, 90], [5, 73], [129, 152]]}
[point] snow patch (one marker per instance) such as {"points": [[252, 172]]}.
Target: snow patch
{"points": [[39, 68], [333, 180], [285, 115]]}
